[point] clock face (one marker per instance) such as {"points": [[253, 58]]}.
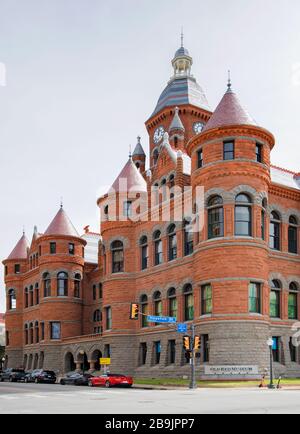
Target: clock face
{"points": [[158, 135], [198, 127]]}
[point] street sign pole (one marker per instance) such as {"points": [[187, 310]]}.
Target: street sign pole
{"points": [[193, 384]]}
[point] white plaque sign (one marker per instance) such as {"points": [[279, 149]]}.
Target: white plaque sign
{"points": [[231, 371]]}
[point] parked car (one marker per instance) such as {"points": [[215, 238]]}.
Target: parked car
{"points": [[76, 379], [111, 380], [40, 376], [13, 375]]}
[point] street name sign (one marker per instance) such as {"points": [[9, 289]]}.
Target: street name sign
{"points": [[161, 319]]}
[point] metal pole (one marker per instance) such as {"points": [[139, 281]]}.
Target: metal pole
{"points": [[193, 384], [271, 386]]}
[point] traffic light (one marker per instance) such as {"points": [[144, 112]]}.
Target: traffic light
{"points": [[197, 343], [187, 343], [134, 311]]}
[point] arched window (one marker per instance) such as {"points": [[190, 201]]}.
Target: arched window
{"points": [[293, 235], [97, 316], [117, 249], [106, 212], [173, 306], [37, 332], [26, 298], [172, 181], [172, 242], [293, 301], [188, 303], [275, 299], [37, 294], [47, 285], [144, 310], [158, 248], [243, 215], [31, 341], [77, 285], [31, 296], [263, 219], [144, 252], [26, 334], [215, 217], [157, 304], [188, 238], [275, 231], [12, 299], [164, 189], [62, 284]]}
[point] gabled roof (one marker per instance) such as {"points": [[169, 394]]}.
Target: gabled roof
{"points": [[229, 112], [20, 251], [61, 225], [130, 179]]}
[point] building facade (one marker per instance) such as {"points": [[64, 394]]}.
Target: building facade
{"points": [[229, 264], [2, 339]]}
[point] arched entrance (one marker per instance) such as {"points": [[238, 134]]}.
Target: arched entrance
{"points": [[36, 361], [82, 361], [96, 356], [42, 357], [70, 365], [25, 362]]}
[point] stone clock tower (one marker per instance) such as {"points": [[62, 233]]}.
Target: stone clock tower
{"points": [[182, 109]]}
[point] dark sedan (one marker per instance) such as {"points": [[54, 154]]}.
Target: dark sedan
{"points": [[13, 375], [40, 376], [76, 379]]}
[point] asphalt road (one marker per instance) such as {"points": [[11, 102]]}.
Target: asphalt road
{"points": [[44, 399]]}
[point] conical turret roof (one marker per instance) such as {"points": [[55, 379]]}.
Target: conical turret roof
{"points": [[229, 112], [61, 225], [138, 151], [176, 122], [20, 251], [130, 179]]}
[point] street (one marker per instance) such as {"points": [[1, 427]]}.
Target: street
{"points": [[45, 399]]}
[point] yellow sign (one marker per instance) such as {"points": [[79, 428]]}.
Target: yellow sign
{"points": [[105, 361]]}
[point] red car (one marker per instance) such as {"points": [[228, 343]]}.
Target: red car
{"points": [[111, 380]]}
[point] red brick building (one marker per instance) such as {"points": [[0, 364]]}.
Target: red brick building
{"points": [[237, 278]]}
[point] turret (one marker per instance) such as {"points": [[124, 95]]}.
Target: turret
{"points": [[61, 261], [139, 156]]}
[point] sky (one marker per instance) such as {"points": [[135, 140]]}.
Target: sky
{"points": [[78, 79]]}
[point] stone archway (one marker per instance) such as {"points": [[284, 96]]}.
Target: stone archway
{"points": [[30, 361], [25, 361], [95, 361], [36, 362], [82, 363], [42, 357], [70, 364]]}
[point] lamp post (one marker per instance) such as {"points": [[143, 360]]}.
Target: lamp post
{"points": [[270, 345]]}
